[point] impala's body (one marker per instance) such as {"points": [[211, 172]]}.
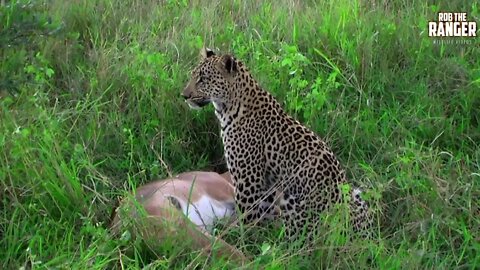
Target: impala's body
{"points": [[202, 196], [186, 207]]}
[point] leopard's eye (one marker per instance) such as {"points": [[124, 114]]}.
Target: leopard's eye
{"points": [[200, 80]]}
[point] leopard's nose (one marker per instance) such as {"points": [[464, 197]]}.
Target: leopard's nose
{"points": [[187, 92]]}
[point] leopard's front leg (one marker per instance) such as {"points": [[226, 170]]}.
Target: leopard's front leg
{"points": [[252, 197], [246, 163], [248, 196]]}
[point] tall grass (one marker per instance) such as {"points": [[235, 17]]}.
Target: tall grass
{"points": [[90, 108]]}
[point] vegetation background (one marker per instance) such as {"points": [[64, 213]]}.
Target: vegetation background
{"points": [[90, 108]]}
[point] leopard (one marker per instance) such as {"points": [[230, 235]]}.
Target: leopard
{"points": [[279, 167]]}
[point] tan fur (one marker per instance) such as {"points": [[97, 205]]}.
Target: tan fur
{"points": [[163, 219]]}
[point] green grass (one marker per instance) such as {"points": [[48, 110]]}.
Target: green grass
{"points": [[90, 108]]}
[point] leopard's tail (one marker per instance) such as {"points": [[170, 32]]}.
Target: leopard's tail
{"points": [[360, 214]]}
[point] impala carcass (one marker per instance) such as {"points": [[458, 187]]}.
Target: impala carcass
{"points": [[185, 207]]}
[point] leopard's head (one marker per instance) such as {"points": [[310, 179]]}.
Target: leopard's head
{"points": [[212, 80]]}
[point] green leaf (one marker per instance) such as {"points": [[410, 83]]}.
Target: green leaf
{"points": [[49, 72], [265, 248]]}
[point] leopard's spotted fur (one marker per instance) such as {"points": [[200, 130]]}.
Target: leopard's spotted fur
{"points": [[266, 149]]}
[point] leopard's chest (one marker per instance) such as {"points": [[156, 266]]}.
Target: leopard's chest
{"points": [[235, 141], [243, 142]]}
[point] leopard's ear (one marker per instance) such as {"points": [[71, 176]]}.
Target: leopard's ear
{"points": [[230, 63], [206, 52]]}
